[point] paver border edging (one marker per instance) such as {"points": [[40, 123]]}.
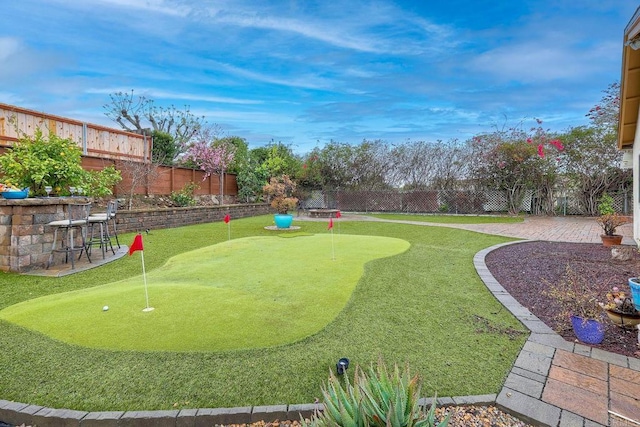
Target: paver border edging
{"points": [[16, 413]]}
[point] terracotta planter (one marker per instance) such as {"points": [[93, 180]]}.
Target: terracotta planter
{"points": [[609, 241], [623, 320]]}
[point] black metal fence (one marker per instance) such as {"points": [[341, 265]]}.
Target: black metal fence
{"points": [[452, 202]]}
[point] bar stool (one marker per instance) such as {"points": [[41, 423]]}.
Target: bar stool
{"points": [[77, 219], [110, 215], [104, 237]]}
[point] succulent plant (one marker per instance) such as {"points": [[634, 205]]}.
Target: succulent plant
{"points": [[375, 398]]}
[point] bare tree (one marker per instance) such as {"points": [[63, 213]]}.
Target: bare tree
{"points": [[420, 164], [136, 175], [135, 114]]}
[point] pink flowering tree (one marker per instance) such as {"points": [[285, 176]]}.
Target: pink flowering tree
{"points": [[518, 163], [212, 157]]}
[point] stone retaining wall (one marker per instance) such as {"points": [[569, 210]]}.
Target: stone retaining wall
{"points": [[153, 219], [26, 240]]}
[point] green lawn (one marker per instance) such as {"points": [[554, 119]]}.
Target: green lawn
{"points": [[425, 306], [253, 292], [451, 219]]}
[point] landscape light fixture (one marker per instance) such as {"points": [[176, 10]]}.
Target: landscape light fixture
{"points": [[342, 365]]}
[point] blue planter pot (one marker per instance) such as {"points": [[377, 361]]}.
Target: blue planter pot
{"points": [[634, 284], [283, 220], [588, 331]]}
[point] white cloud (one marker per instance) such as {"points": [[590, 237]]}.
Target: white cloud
{"points": [[156, 94], [156, 6], [542, 60], [358, 26], [8, 46], [308, 81]]}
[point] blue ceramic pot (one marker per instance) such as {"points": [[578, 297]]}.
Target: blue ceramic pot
{"points": [[283, 220], [16, 194], [589, 331], [634, 284]]}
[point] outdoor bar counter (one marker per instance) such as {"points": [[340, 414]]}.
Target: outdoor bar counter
{"points": [[25, 238]]}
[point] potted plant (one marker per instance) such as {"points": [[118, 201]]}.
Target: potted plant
{"points": [[609, 220], [634, 285], [578, 302], [279, 192], [620, 309]]}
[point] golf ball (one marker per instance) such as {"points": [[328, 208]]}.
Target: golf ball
{"points": [[105, 308]]}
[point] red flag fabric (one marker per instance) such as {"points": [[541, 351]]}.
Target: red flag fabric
{"points": [[227, 218], [136, 245], [330, 224], [338, 214]]}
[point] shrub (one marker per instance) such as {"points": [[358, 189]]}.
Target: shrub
{"points": [[280, 192], [53, 161], [185, 196]]}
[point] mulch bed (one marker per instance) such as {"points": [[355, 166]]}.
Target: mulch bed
{"points": [[526, 269]]}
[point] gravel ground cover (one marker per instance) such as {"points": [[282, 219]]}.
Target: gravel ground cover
{"points": [[526, 269]]}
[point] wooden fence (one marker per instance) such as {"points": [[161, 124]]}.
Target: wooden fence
{"points": [[102, 146], [146, 178], [94, 140]]}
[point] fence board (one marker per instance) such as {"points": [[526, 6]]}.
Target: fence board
{"points": [[107, 142]]}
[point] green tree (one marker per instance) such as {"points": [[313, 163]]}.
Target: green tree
{"points": [[590, 161], [252, 176], [334, 162], [241, 152], [516, 162], [164, 149], [371, 165], [280, 160]]}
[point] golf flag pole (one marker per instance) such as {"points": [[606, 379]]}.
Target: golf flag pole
{"points": [[137, 246], [227, 220], [338, 215], [333, 248]]}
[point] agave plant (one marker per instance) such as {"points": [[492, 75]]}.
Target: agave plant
{"points": [[375, 399]]}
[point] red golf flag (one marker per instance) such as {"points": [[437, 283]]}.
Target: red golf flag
{"points": [[338, 214], [136, 245], [227, 218], [330, 224]]}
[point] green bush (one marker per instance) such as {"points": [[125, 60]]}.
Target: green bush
{"points": [[52, 161], [605, 205], [100, 183], [375, 399], [185, 196]]}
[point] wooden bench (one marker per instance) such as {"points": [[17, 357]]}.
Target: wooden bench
{"points": [[323, 213]]}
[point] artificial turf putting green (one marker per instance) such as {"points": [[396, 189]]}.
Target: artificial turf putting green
{"points": [[253, 292]]}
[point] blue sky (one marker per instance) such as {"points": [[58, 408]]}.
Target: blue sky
{"points": [[307, 72]]}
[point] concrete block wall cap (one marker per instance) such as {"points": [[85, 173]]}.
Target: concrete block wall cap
{"points": [[269, 413], [303, 410]]}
